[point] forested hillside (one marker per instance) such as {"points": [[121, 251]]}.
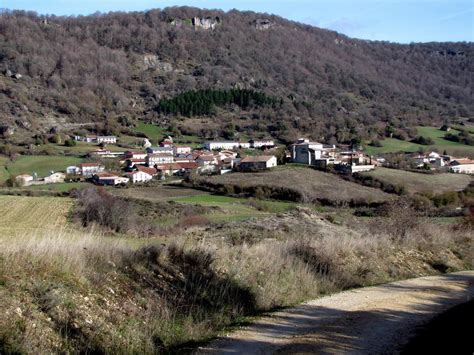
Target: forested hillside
{"points": [[119, 67]]}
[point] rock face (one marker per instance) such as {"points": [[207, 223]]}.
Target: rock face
{"points": [[152, 62], [263, 24], [207, 23]]}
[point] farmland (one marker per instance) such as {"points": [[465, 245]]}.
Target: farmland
{"points": [[153, 132], [229, 208], [41, 164], [392, 145], [61, 187], [25, 214], [295, 183], [421, 183]]}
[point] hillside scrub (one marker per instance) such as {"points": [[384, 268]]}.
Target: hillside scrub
{"points": [[83, 292], [133, 216], [293, 183], [339, 87]]}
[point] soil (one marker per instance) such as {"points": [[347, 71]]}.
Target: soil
{"points": [[372, 320]]}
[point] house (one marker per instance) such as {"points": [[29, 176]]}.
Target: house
{"points": [[107, 139], [89, 169], [73, 170], [354, 168], [55, 178], [230, 145], [462, 166], [133, 163], [139, 176], [103, 153], [188, 168], [182, 149], [148, 170], [24, 179], [109, 179], [168, 169], [159, 158], [264, 143], [306, 152], [90, 139], [206, 159], [261, 162], [135, 155], [155, 150], [168, 143]]}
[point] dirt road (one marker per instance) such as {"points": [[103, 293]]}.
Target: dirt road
{"points": [[370, 320]]}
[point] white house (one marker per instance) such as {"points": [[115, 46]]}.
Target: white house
{"points": [[24, 179], [135, 155], [73, 170], [107, 139], [109, 179], [155, 150], [55, 178], [205, 159], [462, 166], [230, 145], [89, 169], [261, 162], [182, 149], [263, 143], [159, 158], [139, 176], [306, 152]]}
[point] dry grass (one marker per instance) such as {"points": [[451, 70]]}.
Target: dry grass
{"points": [[21, 214], [295, 183], [157, 193], [422, 183], [69, 291]]}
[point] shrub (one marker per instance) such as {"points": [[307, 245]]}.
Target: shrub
{"points": [[70, 143]]}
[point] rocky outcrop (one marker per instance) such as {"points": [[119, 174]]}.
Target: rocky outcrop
{"points": [[153, 62], [207, 23], [263, 24]]}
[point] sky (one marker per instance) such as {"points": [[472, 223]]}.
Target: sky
{"points": [[402, 21]]}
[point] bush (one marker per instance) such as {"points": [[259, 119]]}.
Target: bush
{"points": [[423, 140], [70, 143]]}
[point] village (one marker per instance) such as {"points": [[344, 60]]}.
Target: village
{"points": [[170, 160]]}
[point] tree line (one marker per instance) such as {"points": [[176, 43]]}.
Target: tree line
{"points": [[204, 102]]}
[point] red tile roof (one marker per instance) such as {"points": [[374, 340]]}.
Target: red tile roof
{"points": [[189, 165], [151, 171]]}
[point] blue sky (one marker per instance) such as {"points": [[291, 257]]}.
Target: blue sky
{"points": [[391, 20]]}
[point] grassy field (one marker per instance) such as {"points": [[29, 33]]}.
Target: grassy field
{"points": [[417, 182], [4, 175], [63, 187], [80, 149], [22, 214], [41, 164], [302, 183], [237, 209], [392, 145], [230, 208], [153, 132], [71, 291], [157, 193]]}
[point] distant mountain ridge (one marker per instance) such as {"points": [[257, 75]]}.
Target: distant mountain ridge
{"points": [[119, 66]]}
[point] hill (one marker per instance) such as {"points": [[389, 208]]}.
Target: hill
{"points": [[107, 71]]}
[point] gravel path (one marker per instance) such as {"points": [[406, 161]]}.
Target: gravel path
{"points": [[370, 320]]}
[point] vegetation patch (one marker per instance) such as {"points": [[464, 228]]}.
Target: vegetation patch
{"points": [[204, 102], [40, 164], [420, 183], [293, 183]]}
